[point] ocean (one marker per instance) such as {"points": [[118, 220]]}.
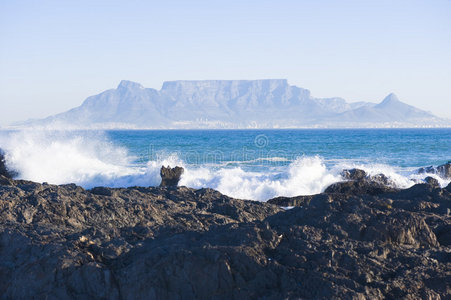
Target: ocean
{"points": [[246, 164]]}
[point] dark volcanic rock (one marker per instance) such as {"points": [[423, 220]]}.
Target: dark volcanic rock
{"points": [[3, 169], [359, 187], [443, 234], [432, 181], [291, 201], [360, 183], [358, 174], [381, 179], [428, 169], [170, 176], [443, 171], [63, 242], [353, 174], [5, 180], [102, 191], [399, 228]]}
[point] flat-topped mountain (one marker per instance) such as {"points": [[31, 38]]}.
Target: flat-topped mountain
{"points": [[269, 103]]}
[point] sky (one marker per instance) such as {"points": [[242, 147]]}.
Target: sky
{"points": [[54, 54]]}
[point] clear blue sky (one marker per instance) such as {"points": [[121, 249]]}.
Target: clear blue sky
{"points": [[54, 54]]}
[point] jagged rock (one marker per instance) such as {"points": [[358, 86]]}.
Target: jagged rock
{"points": [[353, 174], [381, 179], [5, 180], [400, 228], [360, 183], [63, 242], [445, 170], [428, 169], [170, 177], [103, 191], [358, 174], [432, 182], [419, 190], [290, 201], [358, 187]]}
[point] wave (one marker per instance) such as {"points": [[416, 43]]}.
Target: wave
{"points": [[306, 175], [62, 157], [90, 159]]}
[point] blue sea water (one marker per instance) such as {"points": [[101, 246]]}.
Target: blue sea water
{"points": [[397, 147], [252, 164]]}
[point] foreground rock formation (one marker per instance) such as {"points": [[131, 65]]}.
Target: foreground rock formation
{"points": [[179, 243], [360, 183], [170, 177]]}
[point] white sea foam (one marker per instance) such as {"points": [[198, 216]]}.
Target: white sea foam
{"points": [[399, 177], [304, 176], [63, 157], [89, 159]]}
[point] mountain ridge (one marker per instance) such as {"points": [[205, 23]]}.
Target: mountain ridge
{"points": [[215, 104]]}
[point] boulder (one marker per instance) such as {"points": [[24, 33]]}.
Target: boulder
{"points": [[444, 170], [428, 169], [432, 181], [358, 187], [102, 191], [170, 177], [380, 178], [360, 183], [353, 174]]}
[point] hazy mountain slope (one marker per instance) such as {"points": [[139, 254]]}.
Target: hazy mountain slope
{"points": [[389, 110], [130, 103], [228, 104]]}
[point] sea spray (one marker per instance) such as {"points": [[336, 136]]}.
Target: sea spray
{"points": [[304, 176], [62, 157], [90, 158]]}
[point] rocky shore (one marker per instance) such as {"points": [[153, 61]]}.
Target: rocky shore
{"points": [[360, 239]]}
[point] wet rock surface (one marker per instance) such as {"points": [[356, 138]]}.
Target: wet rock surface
{"points": [[4, 171], [442, 170], [445, 170], [353, 174], [60, 242], [359, 183], [170, 177]]}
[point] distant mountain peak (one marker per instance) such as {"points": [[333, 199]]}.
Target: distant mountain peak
{"points": [[391, 98], [126, 84]]}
